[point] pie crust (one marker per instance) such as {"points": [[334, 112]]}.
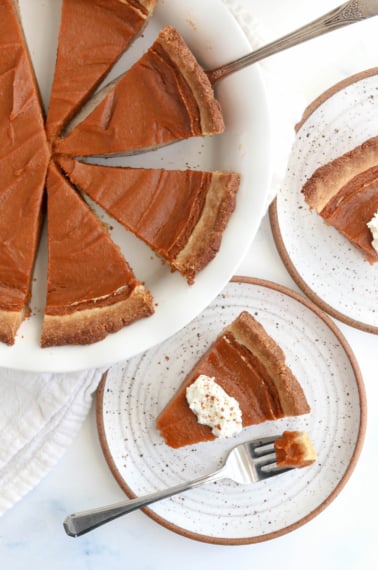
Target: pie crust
{"points": [[330, 178]]}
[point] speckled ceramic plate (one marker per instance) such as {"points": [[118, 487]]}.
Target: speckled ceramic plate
{"points": [[134, 393], [322, 262]]}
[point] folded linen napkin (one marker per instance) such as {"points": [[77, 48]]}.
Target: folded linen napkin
{"points": [[40, 414]]}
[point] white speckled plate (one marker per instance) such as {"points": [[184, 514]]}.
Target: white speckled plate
{"points": [[134, 393], [321, 261]]}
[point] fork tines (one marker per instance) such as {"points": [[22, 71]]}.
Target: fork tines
{"points": [[264, 456]]}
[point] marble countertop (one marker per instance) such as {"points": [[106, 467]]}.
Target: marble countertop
{"points": [[344, 535]]}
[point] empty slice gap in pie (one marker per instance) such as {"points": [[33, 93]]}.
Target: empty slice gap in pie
{"points": [[93, 35], [345, 193], [164, 97], [92, 291], [24, 156], [181, 215], [250, 367]]}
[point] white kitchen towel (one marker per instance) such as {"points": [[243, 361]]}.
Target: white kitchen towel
{"points": [[40, 414]]}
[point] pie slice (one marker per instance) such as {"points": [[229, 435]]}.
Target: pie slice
{"points": [[180, 214], [294, 449], [250, 367], [328, 179], [91, 289], [350, 210], [93, 35], [165, 97], [345, 193], [24, 155]]}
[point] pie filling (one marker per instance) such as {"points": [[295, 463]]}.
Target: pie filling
{"points": [[24, 156]]}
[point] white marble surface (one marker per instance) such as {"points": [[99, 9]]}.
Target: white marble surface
{"points": [[344, 535]]}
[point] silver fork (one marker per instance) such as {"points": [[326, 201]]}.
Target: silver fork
{"points": [[348, 13], [248, 462]]}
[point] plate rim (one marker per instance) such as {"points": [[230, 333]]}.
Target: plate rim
{"points": [[274, 221], [337, 489]]}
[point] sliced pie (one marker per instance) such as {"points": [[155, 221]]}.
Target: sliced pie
{"points": [[24, 156], [181, 215], [93, 34], [345, 193], [165, 97], [91, 289], [294, 449], [250, 367]]}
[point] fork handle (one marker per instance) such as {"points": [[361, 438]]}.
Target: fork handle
{"points": [[348, 13], [85, 521]]}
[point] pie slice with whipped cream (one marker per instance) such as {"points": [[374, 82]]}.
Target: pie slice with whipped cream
{"points": [[344, 192], [93, 35], [24, 155], [164, 97], [249, 366], [91, 290], [180, 214]]}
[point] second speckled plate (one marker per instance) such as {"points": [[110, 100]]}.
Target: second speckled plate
{"points": [[134, 393], [331, 272]]}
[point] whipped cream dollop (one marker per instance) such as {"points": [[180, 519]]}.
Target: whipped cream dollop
{"points": [[373, 227], [214, 407]]}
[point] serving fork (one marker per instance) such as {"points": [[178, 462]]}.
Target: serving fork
{"points": [[348, 13], [248, 462]]}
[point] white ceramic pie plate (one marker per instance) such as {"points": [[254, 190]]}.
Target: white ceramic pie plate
{"points": [[322, 262], [215, 38], [134, 393]]}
